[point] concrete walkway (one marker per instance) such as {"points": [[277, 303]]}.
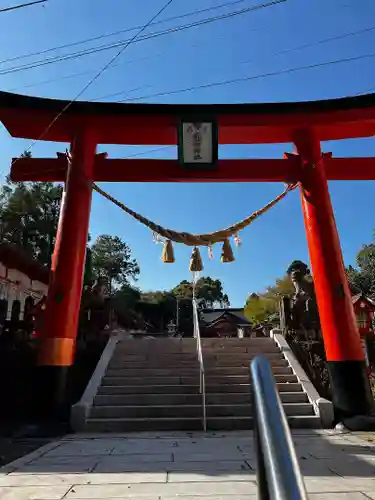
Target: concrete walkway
{"points": [[156, 466]]}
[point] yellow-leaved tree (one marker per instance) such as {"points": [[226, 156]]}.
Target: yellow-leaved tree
{"points": [[260, 306]]}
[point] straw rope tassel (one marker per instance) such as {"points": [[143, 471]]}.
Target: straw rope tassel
{"points": [[168, 253], [196, 263], [227, 252]]}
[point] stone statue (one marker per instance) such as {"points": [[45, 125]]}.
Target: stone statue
{"points": [[304, 309]]}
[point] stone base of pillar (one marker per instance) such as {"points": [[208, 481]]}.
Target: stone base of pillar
{"points": [[364, 423], [350, 388], [52, 400]]}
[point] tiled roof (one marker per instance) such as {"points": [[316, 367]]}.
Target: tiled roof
{"points": [[356, 298], [212, 315]]}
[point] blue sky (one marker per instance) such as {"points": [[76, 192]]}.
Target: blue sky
{"points": [[242, 46]]}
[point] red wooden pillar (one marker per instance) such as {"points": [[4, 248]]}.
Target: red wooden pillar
{"points": [[345, 357], [57, 347]]}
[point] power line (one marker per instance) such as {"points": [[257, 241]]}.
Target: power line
{"points": [[326, 40], [126, 92], [249, 78], [367, 91], [284, 51], [102, 70], [82, 53], [22, 5], [93, 70], [141, 153], [126, 30]]}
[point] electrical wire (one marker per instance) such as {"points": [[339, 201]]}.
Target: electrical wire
{"points": [[141, 153], [102, 70], [282, 52], [249, 78], [275, 54], [367, 91], [105, 35], [126, 91], [22, 5], [105, 47], [119, 32], [93, 70]]}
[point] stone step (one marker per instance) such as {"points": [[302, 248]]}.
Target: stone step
{"points": [[175, 380], [149, 389], [191, 351], [190, 371], [184, 344], [240, 350], [275, 359], [98, 425], [242, 423], [189, 424], [168, 342], [173, 363], [216, 371], [235, 410], [188, 399], [189, 389], [153, 385], [243, 379], [257, 341]]}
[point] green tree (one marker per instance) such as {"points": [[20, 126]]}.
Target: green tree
{"points": [[258, 309], [87, 277], [29, 214], [209, 292], [183, 290], [112, 260], [125, 300], [283, 287], [260, 306], [158, 308], [362, 278], [126, 297]]}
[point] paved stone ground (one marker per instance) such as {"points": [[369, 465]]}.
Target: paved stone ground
{"points": [[155, 466]]}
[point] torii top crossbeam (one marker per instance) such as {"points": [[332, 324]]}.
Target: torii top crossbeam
{"points": [[145, 124]]}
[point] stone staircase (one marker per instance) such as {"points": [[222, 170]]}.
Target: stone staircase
{"points": [[153, 384]]}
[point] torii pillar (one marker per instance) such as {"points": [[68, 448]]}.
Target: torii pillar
{"points": [[345, 356], [57, 349]]}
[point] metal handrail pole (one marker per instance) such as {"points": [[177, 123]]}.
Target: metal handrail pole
{"points": [[204, 402], [202, 388], [262, 484], [283, 475]]}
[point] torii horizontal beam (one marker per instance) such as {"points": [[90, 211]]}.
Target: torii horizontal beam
{"points": [[150, 124], [231, 170]]}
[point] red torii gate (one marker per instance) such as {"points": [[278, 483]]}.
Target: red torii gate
{"points": [[87, 124]]}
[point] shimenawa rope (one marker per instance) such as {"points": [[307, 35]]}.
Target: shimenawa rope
{"points": [[195, 240]]}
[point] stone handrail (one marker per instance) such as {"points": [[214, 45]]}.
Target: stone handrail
{"points": [[81, 410], [322, 407]]}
